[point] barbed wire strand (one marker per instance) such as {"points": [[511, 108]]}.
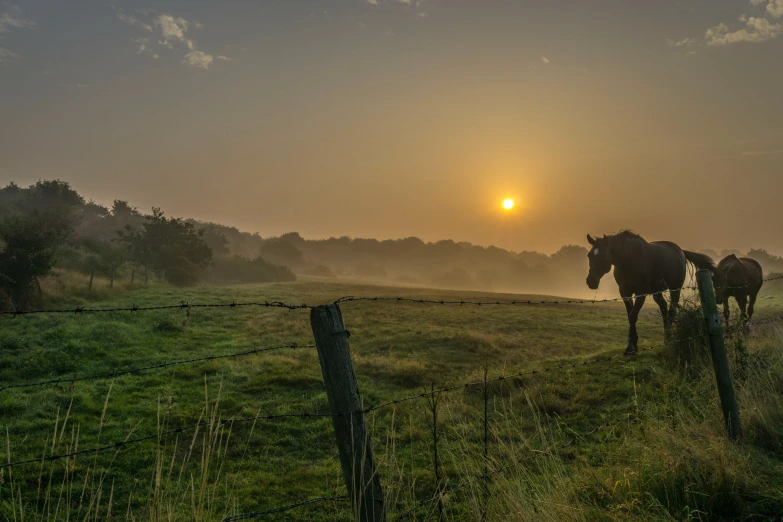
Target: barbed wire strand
{"points": [[304, 306], [181, 306], [257, 514], [109, 375], [312, 415]]}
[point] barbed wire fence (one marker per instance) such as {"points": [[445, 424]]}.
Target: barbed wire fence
{"points": [[344, 334]]}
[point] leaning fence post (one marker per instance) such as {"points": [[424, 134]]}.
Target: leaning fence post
{"points": [[720, 360], [345, 405]]}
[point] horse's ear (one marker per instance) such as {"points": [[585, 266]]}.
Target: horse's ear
{"points": [[590, 239], [733, 257]]}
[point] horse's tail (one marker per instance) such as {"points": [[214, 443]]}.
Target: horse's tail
{"points": [[701, 261]]}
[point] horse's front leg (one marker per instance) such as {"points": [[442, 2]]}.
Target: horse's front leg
{"points": [[633, 314]]}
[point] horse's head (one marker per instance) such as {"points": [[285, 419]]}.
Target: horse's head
{"points": [[600, 261], [720, 277]]}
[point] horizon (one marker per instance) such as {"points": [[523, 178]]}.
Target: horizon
{"points": [[399, 118]]}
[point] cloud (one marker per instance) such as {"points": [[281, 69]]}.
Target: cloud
{"points": [[173, 34], [142, 42], [198, 59], [7, 22], [7, 56], [761, 27], [762, 152], [224, 58], [756, 30], [10, 21], [544, 60], [774, 7], [685, 42], [133, 21], [174, 29], [423, 15], [371, 2]]}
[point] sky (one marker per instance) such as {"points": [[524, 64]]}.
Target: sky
{"points": [[397, 118]]}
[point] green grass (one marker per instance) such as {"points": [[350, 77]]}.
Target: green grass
{"points": [[636, 438]]}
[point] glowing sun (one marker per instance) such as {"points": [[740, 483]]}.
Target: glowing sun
{"points": [[508, 204]]}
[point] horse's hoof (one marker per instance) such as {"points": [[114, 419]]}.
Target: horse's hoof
{"points": [[631, 350]]}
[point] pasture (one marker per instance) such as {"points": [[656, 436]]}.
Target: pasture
{"points": [[617, 438]]}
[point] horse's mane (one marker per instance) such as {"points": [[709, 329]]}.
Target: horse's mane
{"points": [[627, 234], [626, 243]]}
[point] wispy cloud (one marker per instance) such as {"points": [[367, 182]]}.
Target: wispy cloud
{"points": [[762, 152], [11, 18], [407, 3], [173, 34], [685, 42], [133, 21], [544, 60], [7, 56]]}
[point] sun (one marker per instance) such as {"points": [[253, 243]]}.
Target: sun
{"points": [[508, 204]]}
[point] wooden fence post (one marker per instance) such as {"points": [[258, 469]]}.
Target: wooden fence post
{"points": [[111, 281], [345, 405], [92, 274], [720, 360]]}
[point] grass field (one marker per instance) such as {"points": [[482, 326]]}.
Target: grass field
{"points": [[628, 439]]}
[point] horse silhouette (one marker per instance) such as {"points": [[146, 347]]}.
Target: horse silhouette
{"points": [[642, 269], [741, 278]]}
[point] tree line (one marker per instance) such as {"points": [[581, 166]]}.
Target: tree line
{"points": [[49, 225]]}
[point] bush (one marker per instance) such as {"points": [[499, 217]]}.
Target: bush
{"points": [[239, 270], [320, 271]]}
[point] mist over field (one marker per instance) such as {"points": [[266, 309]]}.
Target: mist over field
{"points": [[391, 260]]}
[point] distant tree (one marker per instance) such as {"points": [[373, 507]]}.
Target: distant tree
{"points": [[282, 252], [770, 262], [28, 250], [121, 208], [216, 241], [170, 246], [239, 270], [728, 252], [712, 253], [570, 257], [176, 249]]}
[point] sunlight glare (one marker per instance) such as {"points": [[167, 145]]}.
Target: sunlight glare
{"points": [[508, 204]]}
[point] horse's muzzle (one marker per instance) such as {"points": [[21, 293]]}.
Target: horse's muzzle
{"points": [[592, 283]]}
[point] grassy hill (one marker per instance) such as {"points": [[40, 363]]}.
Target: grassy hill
{"points": [[614, 439]]}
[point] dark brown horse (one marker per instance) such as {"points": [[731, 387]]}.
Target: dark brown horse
{"points": [[740, 278], [642, 269]]}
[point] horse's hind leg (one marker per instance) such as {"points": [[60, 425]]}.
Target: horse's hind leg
{"points": [[752, 302], [742, 301], [661, 301], [675, 295]]}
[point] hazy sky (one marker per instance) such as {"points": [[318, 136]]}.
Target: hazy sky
{"points": [[393, 118]]}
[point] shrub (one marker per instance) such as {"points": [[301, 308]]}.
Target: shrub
{"points": [[238, 270]]}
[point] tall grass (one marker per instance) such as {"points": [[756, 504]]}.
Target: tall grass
{"points": [[636, 439]]}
